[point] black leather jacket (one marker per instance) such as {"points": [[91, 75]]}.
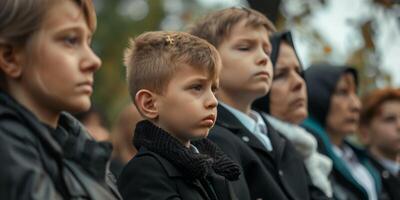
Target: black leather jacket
{"points": [[43, 163]]}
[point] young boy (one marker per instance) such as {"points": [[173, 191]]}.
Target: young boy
{"points": [[380, 129], [272, 167], [172, 79]]}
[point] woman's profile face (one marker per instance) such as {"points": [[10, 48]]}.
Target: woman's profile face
{"points": [[344, 110], [288, 95]]}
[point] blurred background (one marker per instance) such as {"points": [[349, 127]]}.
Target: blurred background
{"points": [[361, 33]]}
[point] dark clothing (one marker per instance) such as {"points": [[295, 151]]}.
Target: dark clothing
{"points": [[165, 169], [39, 162], [390, 183], [262, 104], [116, 167], [279, 174], [321, 83], [343, 183], [256, 182]]}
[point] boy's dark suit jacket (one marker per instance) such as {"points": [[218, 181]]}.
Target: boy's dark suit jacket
{"points": [[279, 174], [390, 183], [137, 181]]}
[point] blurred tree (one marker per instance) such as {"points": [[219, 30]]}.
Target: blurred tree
{"points": [[114, 30], [119, 20], [297, 15], [270, 8]]}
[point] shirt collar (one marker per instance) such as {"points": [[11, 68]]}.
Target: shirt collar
{"points": [[390, 165], [345, 153], [246, 120], [194, 149]]}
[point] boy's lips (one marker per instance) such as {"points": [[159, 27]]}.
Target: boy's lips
{"points": [[208, 121], [263, 74], [87, 86]]}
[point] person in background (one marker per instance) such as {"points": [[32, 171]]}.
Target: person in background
{"points": [[95, 123], [122, 137], [286, 106], [380, 132], [334, 109]]}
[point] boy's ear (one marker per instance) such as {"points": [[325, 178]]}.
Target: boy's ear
{"points": [[147, 103], [9, 61]]}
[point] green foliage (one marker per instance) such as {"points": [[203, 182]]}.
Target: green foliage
{"points": [[109, 42]]}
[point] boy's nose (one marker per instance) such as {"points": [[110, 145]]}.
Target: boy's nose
{"points": [[211, 101], [90, 61], [262, 58]]}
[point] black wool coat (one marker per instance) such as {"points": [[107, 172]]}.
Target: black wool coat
{"points": [[390, 183], [165, 169], [279, 174]]}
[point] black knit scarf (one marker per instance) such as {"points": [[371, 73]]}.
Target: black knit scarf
{"points": [[191, 164]]}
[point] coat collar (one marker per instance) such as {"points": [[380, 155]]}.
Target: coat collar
{"points": [[191, 164], [229, 121], [218, 182], [12, 109], [77, 146]]}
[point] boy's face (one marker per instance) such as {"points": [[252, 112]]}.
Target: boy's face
{"points": [[58, 74], [384, 129], [188, 107], [247, 69]]}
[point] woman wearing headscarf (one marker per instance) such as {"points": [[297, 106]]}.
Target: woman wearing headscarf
{"points": [[286, 106], [334, 109]]}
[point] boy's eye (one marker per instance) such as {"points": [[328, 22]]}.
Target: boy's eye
{"points": [[197, 87], [390, 118], [243, 48], [71, 40], [268, 52], [214, 89]]}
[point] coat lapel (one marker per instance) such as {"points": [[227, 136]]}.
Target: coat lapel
{"points": [[227, 120], [278, 143], [174, 173], [200, 188], [220, 184]]}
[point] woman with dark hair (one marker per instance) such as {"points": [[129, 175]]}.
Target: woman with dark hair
{"points": [[334, 109], [286, 106]]}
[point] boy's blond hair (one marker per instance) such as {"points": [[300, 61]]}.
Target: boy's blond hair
{"points": [[216, 26], [152, 58]]}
